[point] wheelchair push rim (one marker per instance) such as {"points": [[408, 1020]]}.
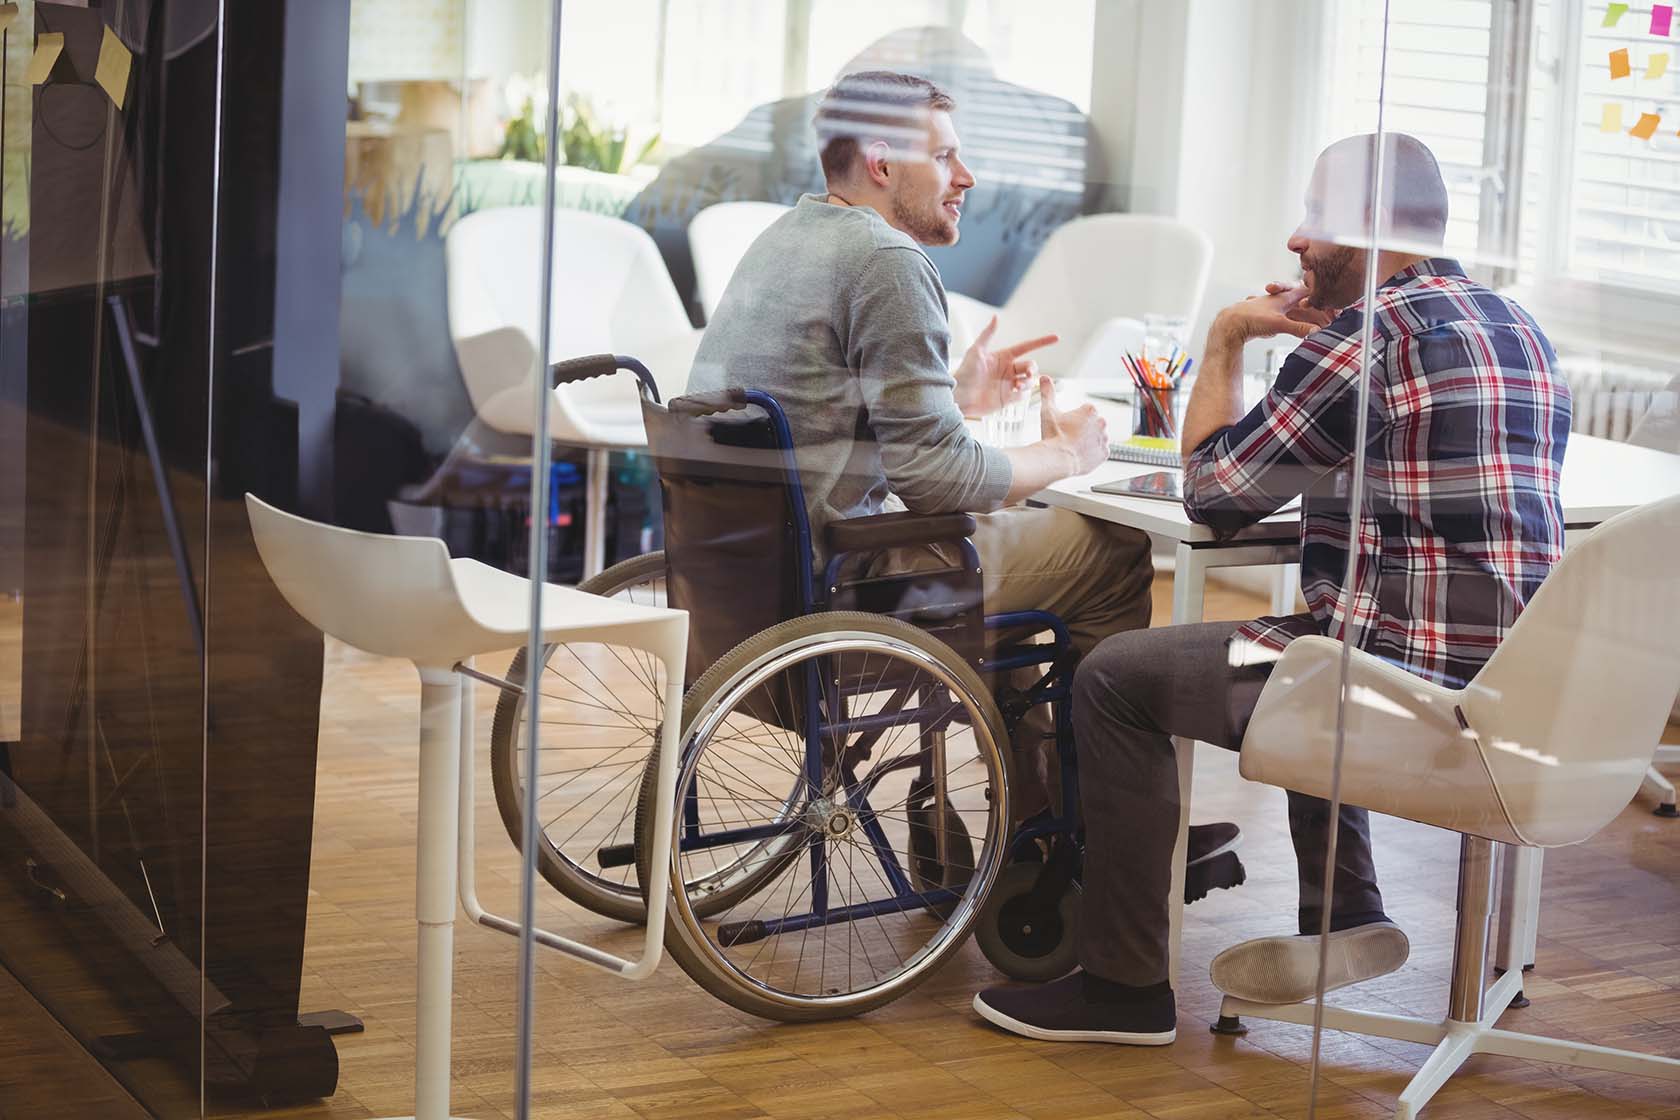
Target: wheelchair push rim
{"points": [[842, 919]]}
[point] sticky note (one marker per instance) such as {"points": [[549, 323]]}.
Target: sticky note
{"points": [[8, 12], [1657, 65], [48, 46], [1611, 121], [1661, 16], [1647, 126], [1614, 14], [112, 71], [1619, 67]]}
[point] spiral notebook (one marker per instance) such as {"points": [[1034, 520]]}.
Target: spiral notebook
{"points": [[1152, 451]]}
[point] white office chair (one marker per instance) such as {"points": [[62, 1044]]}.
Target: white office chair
{"points": [[1543, 749], [611, 295], [1095, 279], [718, 238], [1659, 429], [405, 597]]}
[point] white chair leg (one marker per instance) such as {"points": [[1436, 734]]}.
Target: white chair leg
{"points": [[1662, 789], [1286, 580], [597, 471], [440, 750], [1513, 1045], [1452, 1053], [1519, 908]]}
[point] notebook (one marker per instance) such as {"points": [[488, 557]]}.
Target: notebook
{"points": [[1150, 450]]}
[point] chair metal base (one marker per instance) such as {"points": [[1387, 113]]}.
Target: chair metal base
{"points": [[1469, 1028]]}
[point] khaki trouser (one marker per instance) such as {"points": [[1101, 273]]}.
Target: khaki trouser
{"points": [[1093, 575]]}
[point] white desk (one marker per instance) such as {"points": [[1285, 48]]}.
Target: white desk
{"points": [[1601, 478]]}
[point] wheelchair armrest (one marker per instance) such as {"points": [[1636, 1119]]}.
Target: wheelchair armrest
{"points": [[896, 530]]}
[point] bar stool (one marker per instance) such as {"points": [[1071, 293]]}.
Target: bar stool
{"points": [[405, 597], [1543, 749]]}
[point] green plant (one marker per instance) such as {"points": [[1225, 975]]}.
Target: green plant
{"points": [[591, 144], [585, 141]]}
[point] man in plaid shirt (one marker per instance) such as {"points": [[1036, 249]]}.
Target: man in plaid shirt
{"points": [[1460, 521]]}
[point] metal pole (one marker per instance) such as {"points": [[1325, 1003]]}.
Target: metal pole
{"points": [[1475, 906]]}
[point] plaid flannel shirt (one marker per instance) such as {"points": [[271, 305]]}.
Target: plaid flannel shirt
{"points": [[1461, 519]]}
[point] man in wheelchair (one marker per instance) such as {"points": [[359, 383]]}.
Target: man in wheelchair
{"points": [[1465, 429], [838, 313]]}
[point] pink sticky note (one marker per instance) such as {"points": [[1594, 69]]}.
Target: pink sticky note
{"points": [[1661, 16]]}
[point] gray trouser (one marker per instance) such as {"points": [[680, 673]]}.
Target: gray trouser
{"points": [[1131, 695]]}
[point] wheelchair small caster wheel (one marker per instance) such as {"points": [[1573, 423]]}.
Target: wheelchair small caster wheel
{"points": [[1230, 1025], [1025, 937]]}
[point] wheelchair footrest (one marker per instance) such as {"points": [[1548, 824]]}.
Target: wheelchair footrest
{"points": [[616, 855], [741, 933]]}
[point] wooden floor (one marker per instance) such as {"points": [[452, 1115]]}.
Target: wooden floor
{"points": [[1609, 972]]}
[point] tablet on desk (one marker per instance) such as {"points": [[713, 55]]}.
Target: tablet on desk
{"points": [[1156, 484]]}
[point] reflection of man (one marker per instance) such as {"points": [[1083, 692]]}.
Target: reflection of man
{"points": [[771, 156], [1461, 521], [837, 312]]}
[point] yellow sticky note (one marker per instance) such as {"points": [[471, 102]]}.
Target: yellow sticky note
{"points": [[112, 71], [1647, 126], [1657, 65], [1613, 14], [48, 46], [1619, 67], [8, 12], [1611, 121]]}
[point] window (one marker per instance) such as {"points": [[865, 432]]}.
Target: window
{"points": [[1590, 207]]}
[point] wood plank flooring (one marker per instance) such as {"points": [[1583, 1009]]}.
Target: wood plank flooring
{"points": [[1609, 970]]}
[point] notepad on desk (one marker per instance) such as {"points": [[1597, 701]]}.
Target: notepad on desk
{"points": [[1152, 451]]}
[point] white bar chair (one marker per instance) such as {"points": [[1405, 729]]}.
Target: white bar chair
{"points": [[718, 237], [1544, 748], [1659, 428], [405, 597]]}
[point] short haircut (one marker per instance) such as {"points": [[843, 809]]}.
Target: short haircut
{"points": [[1414, 194], [872, 105]]}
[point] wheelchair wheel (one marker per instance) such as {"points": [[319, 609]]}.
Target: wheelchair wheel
{"points": [[1028, 938], [600, 707], [854, 713]]}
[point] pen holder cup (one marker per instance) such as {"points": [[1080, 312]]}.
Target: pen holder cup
{"points": [[1157, 413]]}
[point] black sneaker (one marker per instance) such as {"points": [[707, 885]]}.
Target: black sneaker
{"points": [[1061, 1011], [1211, 861]]}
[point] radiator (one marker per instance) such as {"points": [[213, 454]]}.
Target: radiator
{"points": [[1609, 398]]}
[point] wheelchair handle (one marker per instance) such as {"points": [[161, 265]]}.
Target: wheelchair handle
{"points": [[602, 365]]}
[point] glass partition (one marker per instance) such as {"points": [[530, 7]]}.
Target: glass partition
{"points": [[1505, 663]]}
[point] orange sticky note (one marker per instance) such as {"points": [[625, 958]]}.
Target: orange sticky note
{"points": [[1619, 67], [1647, 126], [1657, 65], [112, 71], [1611, 121]]}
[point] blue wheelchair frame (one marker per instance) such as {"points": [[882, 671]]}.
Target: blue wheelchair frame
{"points": [[1053, 688]]}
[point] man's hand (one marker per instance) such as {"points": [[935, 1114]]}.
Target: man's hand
{"points": [[1080, 431], [988, 379], [1282, 310]]}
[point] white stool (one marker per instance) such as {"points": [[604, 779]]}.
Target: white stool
{"points": [[405, 597]]}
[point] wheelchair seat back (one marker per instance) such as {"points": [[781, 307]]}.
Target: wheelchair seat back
{"points": [[737, 541]]}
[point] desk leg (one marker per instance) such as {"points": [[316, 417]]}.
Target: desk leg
{"points": [[1519, 908], [1189, 587], [1286, 578]]}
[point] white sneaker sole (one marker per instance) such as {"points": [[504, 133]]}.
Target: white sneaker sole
{"points": [[1027, 1030], [1285, 969]]}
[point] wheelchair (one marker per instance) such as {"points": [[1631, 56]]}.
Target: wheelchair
{"points": [[844, 791]]}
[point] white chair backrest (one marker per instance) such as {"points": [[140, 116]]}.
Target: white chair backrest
{"points": [[1101, 267], [393, 596], [612, 294], [718, 238], [1570, 707]]}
